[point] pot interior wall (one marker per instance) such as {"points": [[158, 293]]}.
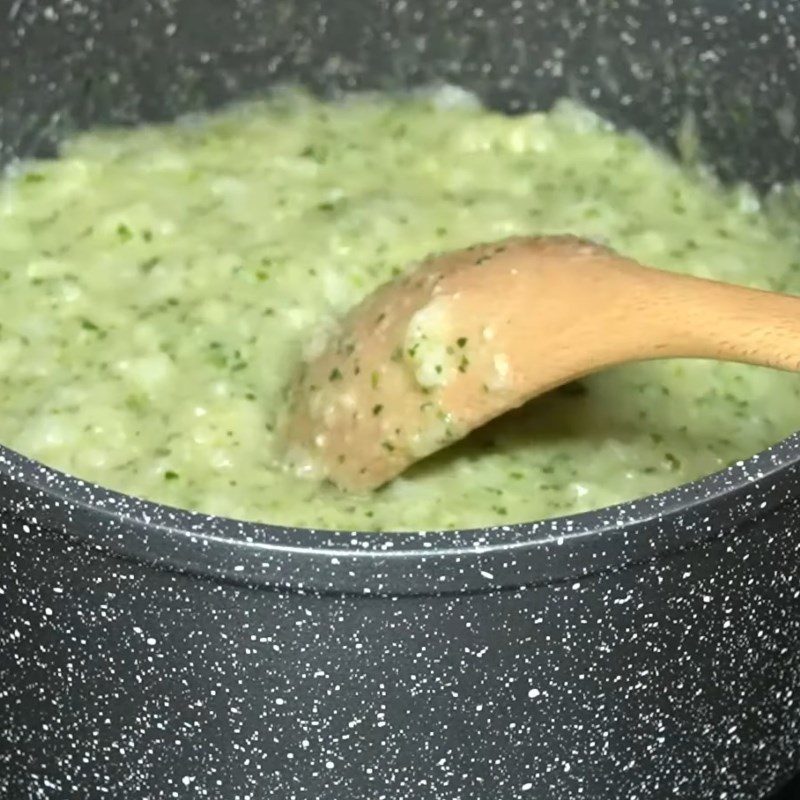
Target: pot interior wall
{"points": [[650, 64]]}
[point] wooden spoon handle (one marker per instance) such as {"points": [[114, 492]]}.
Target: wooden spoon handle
{"points": [[698, 318]]}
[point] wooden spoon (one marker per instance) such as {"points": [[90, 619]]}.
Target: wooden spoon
{"points": [[469, 335]]}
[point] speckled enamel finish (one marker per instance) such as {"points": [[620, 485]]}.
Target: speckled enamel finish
{"points": [[646, 651]]}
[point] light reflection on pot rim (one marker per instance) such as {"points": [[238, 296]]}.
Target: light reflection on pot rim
{"points": [[423, 562]]}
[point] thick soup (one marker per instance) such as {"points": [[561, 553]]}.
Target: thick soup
{"points": [[158, 287]]}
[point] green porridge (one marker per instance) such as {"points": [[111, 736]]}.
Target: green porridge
{"points": [[158, 287]]}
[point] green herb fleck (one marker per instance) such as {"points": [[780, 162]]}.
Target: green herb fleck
{"points": [[315, 153], [147, 265], [336, 374], [124, 232], [136, 402], [376, 409]]}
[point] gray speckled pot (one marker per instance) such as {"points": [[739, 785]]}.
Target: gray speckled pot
{"points": [[646, 651]]}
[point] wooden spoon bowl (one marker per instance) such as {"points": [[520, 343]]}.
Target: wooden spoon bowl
{"points": [[469, 335]]}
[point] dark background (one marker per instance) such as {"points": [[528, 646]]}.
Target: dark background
{"points": [[790, 792]]}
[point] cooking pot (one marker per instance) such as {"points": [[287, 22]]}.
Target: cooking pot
{"points": [[650, 650]]}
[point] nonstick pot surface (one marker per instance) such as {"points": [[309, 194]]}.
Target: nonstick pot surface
{"points": [[406, 563], [727, 72], [645, 651]]}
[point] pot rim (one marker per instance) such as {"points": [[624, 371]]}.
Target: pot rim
{"points": [[422, 562]]}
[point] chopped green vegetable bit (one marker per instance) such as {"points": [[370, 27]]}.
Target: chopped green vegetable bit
{"points": [[124, 233]]}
